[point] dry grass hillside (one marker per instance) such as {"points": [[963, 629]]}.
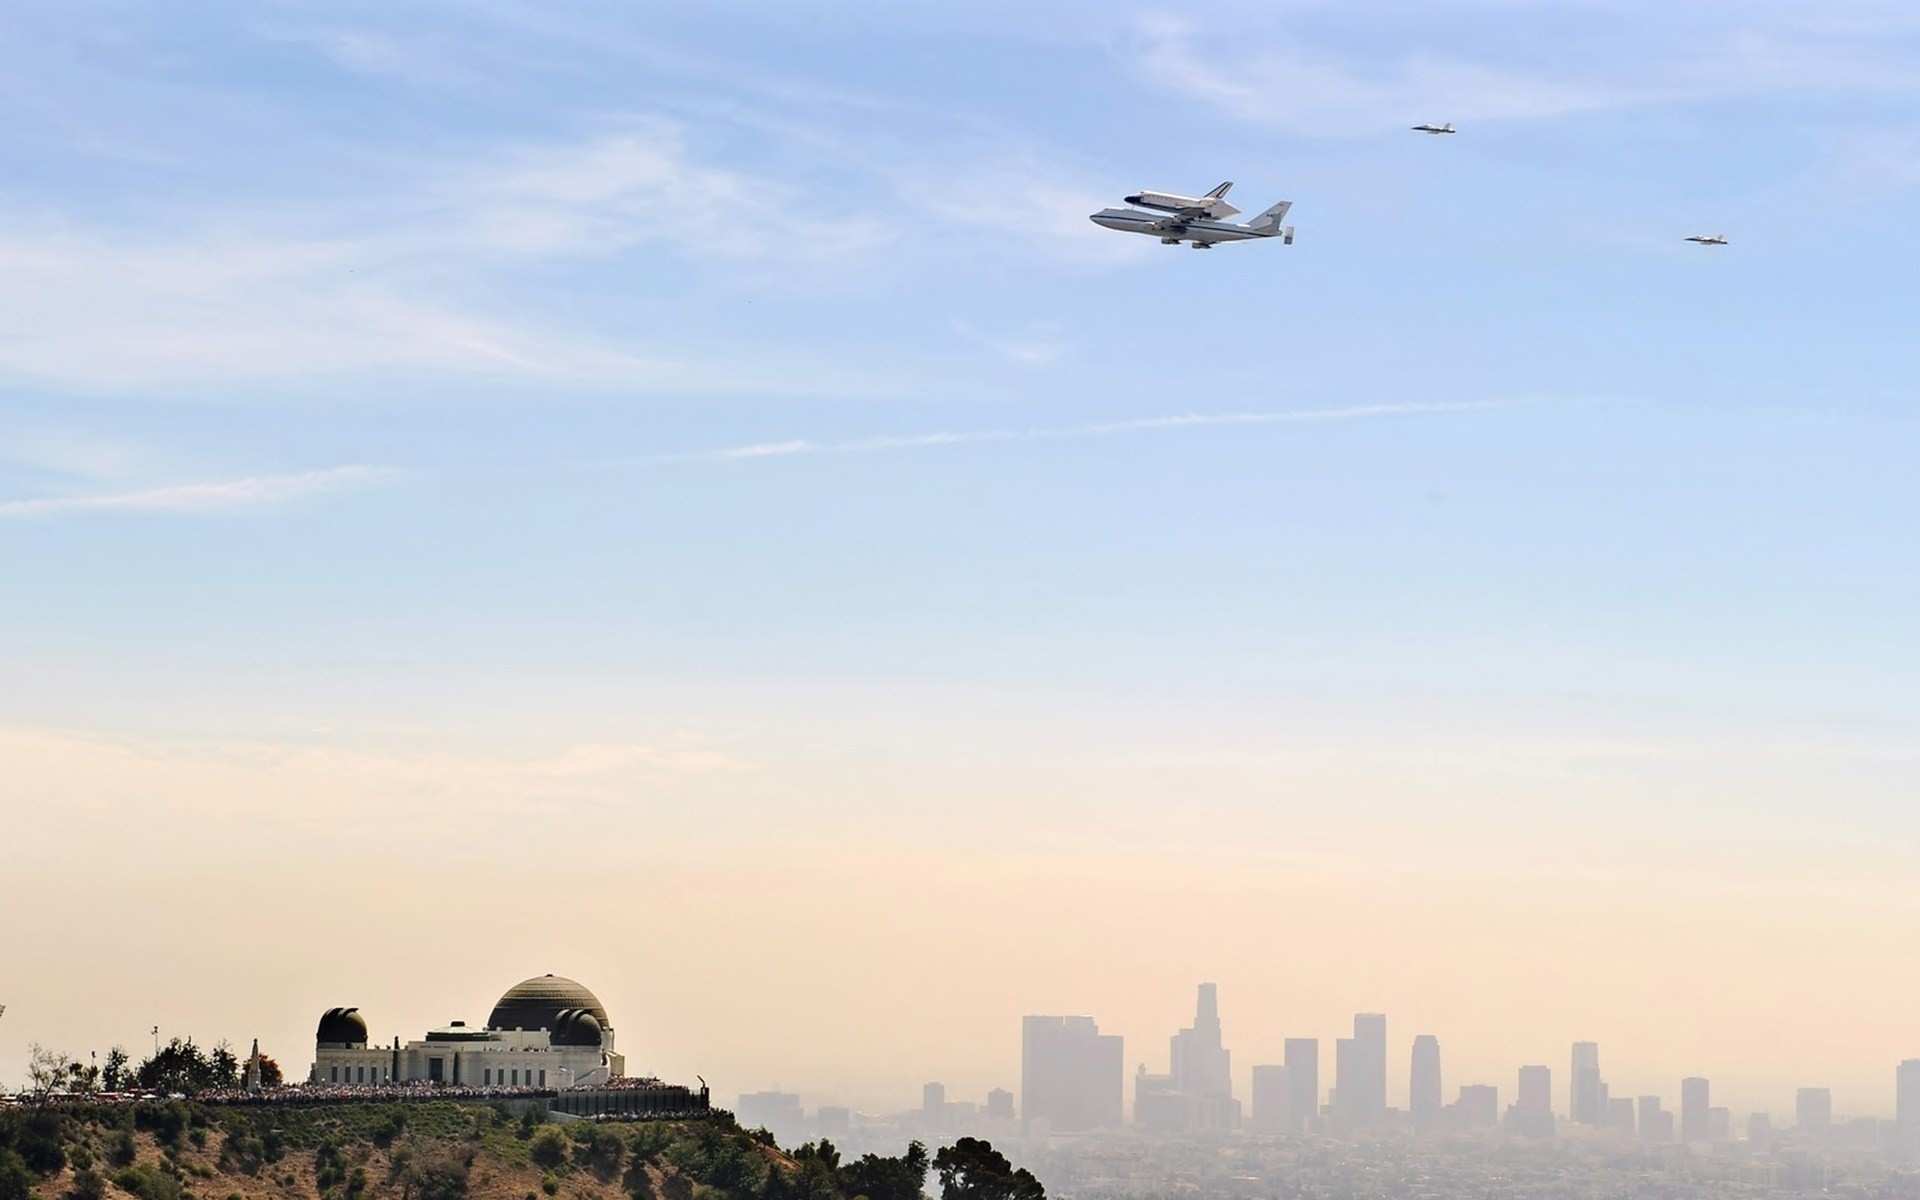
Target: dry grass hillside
{"points": [[419, 1151]]}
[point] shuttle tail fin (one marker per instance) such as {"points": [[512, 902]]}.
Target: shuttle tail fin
{"points": [[1221, 191]]}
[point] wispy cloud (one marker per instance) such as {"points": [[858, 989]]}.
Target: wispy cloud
{"points": [[643, 182], [1312, 91], [921, 441], [255, 491]]}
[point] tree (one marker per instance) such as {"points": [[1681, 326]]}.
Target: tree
{"points": [[46, 1070], [270, 1073], [116, 1074], [877, 1178], [223, 1066], [971, 1169]]}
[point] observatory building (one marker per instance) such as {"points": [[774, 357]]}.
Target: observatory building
{"points": [[545, 1032]]}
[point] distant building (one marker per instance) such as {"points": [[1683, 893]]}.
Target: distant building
{"points": [[1906, 1103], [1720, 1124], [933, 1105], [833, 1118], [1584, 1105], [1072, 1076], [1197, 1090], [1478, 1106], [1532, 1115], [1346, 1084], [1423, 1090], [1272, 1100], [1759, 1133], [1370, 1068], [1302, 1059], [778, 1113], [547, 1032], [1813, 1111], [1696, 1119], [1620, 1114], [1000, 1104], [1656, 1125]]}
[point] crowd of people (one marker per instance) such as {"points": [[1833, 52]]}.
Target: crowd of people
{"points": [[323, 1093]]}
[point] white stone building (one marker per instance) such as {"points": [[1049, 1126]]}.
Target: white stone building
{"points": [[546, 1032]]}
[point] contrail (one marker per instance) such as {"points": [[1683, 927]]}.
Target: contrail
{"points": [[867, 445]]}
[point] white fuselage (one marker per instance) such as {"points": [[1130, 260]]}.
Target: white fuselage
{"points": [[1171, 229]]}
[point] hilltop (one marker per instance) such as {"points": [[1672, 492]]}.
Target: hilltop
{"points": [[177, 1150]]}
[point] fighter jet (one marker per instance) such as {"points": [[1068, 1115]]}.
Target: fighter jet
{"points": [[1447, 128], [1196, 219], [1709, 239]]}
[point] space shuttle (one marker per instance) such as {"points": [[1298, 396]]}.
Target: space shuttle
{"points": [[1212, 207]]}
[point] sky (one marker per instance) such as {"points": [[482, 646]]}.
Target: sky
{"points": [[680, 496]]}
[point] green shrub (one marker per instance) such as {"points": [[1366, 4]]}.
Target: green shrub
{"points": [[87, 1185], [16, 1181], [549, 1184], [122, 1149], [548, 1147], [147, 1183]]}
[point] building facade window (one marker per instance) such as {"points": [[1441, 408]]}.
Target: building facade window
{"points": [[333, 1074], [543, 1077]]}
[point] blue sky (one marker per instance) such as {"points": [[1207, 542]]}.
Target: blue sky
{"points": [[745, 384]]}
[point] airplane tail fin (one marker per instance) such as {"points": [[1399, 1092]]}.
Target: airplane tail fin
{"points": [[1268, 222], [1221, 191]]}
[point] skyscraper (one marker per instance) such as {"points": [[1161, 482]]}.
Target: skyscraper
{"points": [[1370, 1067], [1346, 1085], [1813, 1110], [1696, 1110], [1303, 1080], [1533, 1114], [1197, 1090], [1272, 1100], [1423, 1091], [933, 1105], [1479, 1105], [1906, 1102], [1584, 1105], [1072, 1076]]}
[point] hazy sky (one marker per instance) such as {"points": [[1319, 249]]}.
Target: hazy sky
{"points": [[679, 495]]}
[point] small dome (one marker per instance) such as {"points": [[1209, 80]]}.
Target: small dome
{"points": [[538, 1003], [575, 1027], [342, 1027]]}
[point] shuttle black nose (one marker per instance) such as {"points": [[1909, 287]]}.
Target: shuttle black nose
{"points": [[1131, 199]]}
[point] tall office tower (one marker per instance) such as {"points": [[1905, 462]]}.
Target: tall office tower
{"points": [[1303, 1080], [1272, 1100], [1620, 1114], [1584, 1105], [1533, 1115], [1479, 1105], [1370, 1065], [1759, 1133], [1906, 1102], [1000, 1104], [1720, 1124], [1813, 1111], [933, 1105], [1346, 1086], [1696, 1118], [1202, 1068], [1423, 1091], [1072, 1076], [1652, 1126]]}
